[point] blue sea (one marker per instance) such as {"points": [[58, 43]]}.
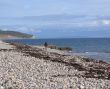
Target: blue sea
{"points": [[97, 48]]}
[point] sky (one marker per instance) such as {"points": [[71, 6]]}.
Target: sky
{"points": [[64, 18], [16, 8]]}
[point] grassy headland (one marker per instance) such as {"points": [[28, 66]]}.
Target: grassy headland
{"points": [[13, 34]]}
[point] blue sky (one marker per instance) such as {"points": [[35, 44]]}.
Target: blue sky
{"points": [[43, 7], [64, 18]]}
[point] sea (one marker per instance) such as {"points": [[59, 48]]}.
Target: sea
{"points": [[96, 48]]}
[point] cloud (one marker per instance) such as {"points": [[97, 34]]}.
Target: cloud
{"points": [[106, 22], [65, 23], [43, 7]]}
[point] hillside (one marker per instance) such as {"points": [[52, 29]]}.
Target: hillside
{"points": [[14, 34]]}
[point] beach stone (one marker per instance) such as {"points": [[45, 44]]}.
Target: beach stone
{"points": [[25, 67]]}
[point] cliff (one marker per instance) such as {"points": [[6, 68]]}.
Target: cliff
{"points": [[13, 34]]}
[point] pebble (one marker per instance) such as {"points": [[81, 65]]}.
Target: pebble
{"points": [[26, 72]]}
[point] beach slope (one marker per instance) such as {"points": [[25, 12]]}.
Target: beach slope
{"points": [[27, 67]]}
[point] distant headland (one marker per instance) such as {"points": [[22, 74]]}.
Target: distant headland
{"points": [[13, 35]]}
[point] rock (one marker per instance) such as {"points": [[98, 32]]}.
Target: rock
{"points": [[26, 67]]}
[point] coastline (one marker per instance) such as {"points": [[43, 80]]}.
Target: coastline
{"points": [[36, 68], [99, 46], [95, 55]]}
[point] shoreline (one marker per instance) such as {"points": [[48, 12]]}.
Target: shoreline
{"points": [[95, 55], [37, 67], [101, 49]]}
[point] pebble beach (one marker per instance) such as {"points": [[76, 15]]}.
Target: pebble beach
{"points": [[27, 67]]}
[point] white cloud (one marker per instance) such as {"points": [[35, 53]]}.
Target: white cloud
{"points": [[106, 22]]}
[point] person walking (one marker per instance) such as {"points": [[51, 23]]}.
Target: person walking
{"points": [[45, 45]]}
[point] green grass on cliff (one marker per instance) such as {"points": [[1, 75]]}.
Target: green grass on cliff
{"points": [[16, 34]]}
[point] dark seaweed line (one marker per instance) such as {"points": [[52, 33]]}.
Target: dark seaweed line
{"points": [[38, 53]]}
